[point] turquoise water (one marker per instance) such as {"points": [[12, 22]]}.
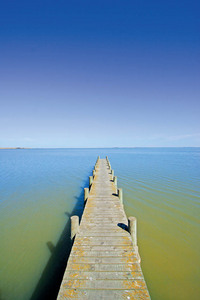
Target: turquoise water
{"points": [[41, 188]]}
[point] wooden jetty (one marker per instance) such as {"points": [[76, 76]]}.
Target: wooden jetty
{"points": [[104, 262]]}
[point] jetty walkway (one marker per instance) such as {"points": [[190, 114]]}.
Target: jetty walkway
{"points": [[104, 262]]}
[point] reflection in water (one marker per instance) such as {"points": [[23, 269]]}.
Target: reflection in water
{"points": [[38, 194], [49, 283]]}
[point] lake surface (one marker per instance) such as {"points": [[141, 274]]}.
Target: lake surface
{"points": [[41, 188]]}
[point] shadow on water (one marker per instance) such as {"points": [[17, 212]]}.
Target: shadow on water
{"points": [[50, 280]]}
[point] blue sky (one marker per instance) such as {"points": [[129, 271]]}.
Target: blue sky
{"points": [[99, 73]]}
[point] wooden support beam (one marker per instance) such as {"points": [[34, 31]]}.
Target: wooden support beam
{"points": [[120, 195], [74, 226], [86, 194]]}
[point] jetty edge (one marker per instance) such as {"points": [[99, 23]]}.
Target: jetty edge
{"points": [[104, 262]]}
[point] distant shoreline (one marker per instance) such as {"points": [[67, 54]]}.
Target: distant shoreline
{"points": [[13, 148]]}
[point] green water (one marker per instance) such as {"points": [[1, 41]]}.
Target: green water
{"points": [[40, 189]]}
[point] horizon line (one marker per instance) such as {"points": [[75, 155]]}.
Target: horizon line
{"points": [[131, 147]]}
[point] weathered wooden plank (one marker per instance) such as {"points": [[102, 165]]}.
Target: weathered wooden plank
{"points": [[104, 210], [103, 248], [96, 228], [102, 275], [90, 228], [89, 241], [104, 294], [104, 253], [115, 216], [91, 283], [102, 233], [105, 226], [134, 267], [124, 239], [103, 220], [106, 200], [103, 259]]}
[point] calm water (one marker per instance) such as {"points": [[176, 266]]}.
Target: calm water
{"points": [[40, 189]]}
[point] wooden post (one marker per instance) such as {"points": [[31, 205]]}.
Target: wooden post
{"points": [[86, 194], [107, 158], [115, 180], [132, 228], [120, 195], [112, 173], [74, 226], [90, 180], [94, 173]]}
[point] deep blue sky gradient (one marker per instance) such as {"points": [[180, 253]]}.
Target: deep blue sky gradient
{"points": [[99, 73]]}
